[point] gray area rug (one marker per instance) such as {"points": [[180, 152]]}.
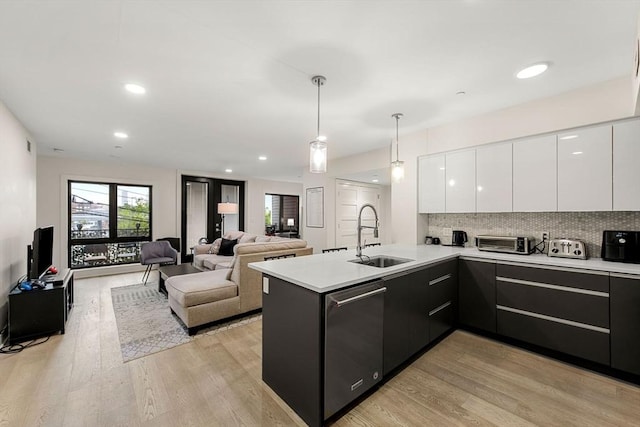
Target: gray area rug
{"points": [[146, 325]]}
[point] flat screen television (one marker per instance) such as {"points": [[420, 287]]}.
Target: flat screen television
{"points": [[40, 253]]}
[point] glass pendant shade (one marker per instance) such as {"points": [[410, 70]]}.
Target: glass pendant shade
{"points": [[397, 171], [317, 156]]}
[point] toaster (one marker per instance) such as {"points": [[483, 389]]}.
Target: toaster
{"points": [[567, 248]]}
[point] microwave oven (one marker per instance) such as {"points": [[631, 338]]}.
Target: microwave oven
{"points": [[508, 244]]}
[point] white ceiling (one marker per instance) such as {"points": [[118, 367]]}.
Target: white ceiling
{"points": [[230, 80]]}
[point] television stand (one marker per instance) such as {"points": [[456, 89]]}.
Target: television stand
{"points": [[41, 312]]}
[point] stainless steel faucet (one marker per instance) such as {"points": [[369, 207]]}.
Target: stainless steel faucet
{"points": [[360, 227]]}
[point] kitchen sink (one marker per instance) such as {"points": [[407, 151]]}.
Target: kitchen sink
{"points": [[380, 261]]}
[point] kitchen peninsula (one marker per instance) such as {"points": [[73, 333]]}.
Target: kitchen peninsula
{"points": [[332, 329]]}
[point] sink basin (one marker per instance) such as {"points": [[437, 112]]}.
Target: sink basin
{"points": [[380, 261]]}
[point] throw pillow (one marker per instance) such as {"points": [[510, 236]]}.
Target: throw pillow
{"points": [[226, 247], [215, 246]]}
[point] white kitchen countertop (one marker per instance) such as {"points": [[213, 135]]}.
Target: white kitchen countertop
{"points": [[331, 271]]}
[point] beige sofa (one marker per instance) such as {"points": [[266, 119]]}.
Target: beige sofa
{"points": [[215, 294]]}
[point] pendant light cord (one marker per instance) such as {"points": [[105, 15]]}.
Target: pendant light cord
{"points": [[318, 133], [397, 140]]}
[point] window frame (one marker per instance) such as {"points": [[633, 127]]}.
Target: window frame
{"points": [[113, 222]]}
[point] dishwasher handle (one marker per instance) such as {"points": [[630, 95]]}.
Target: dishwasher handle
{"points": [[340, 303]]}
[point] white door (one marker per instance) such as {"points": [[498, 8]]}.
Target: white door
{"points": [[626, 173], [460, 173], [535, 175], [431, 184], [349, 199], [494, 190], [585, 170]]}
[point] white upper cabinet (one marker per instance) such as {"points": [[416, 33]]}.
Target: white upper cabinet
{"points": [[584, 169], [494, 188], [460, 181], [626, 173], [535, 175], [431, 175]]}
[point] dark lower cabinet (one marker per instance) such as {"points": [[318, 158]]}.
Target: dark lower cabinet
{"points": [[560, 310], [406, 320], [477, 294], [625, 324], [442, 298]]}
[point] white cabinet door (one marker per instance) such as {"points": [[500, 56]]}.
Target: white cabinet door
{"points": [[535, 175], [626, 173], [584, 170], [460, 194], [494, 178], [431, 184]]}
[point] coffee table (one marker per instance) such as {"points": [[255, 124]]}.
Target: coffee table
{"points": [[167, 271]]}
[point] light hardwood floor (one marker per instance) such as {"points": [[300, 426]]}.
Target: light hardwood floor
{"points": [[78, 379]]}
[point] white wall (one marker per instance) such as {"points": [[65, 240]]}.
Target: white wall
{"points": [[53, 174], [18, 195], [256, 189]]}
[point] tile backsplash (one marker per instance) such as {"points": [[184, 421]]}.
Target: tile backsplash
{"points": [[585, 226]]}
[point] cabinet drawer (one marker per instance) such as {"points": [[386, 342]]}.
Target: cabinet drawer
{"points": [[441, 320], [577, 341], [583, 306], [442, 289], [587, 281]]}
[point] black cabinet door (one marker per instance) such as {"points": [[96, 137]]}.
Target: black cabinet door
{"points": [[477, 294], [406, 317], [625, 324]]}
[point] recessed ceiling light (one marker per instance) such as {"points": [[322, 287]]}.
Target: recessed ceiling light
{"points": [[532, 71], [262, 158], [374, 180], [117, 147], [577, 152], [134, 88], [120, 135], [569, 137], [228, 170]]}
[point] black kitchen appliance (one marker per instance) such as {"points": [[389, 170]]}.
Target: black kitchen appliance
{"points": [[458, 238], [621, 246]]}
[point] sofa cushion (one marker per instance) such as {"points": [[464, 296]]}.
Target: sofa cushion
{"points": [[278, 245], [231, 235], [247, 238], [200, 288], [226, 247], [210, 262], [262, 239]]}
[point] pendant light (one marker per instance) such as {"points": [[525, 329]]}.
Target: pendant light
{"points": [[397, 167], [318, 147]]}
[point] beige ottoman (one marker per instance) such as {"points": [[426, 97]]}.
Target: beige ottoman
{"points": [[201, 298]]}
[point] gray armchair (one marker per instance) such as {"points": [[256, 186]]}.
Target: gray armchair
{"points": [[159, 252]]}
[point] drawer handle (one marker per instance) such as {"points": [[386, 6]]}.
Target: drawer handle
{"points": [[437, 309], [554, 319], [359, 297], [555, 287], [440, 279]]}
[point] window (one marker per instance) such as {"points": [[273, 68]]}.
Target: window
{"points": [[107, 223], [282, 214]]}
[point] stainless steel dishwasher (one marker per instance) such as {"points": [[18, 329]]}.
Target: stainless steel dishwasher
{"points": [[353, 344]]}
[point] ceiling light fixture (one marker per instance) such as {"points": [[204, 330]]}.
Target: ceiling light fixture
{"points": [[532, 71], [262, 158], [120, 135], [318, 147], [134, 88], [228, 170], [397, 167]]}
